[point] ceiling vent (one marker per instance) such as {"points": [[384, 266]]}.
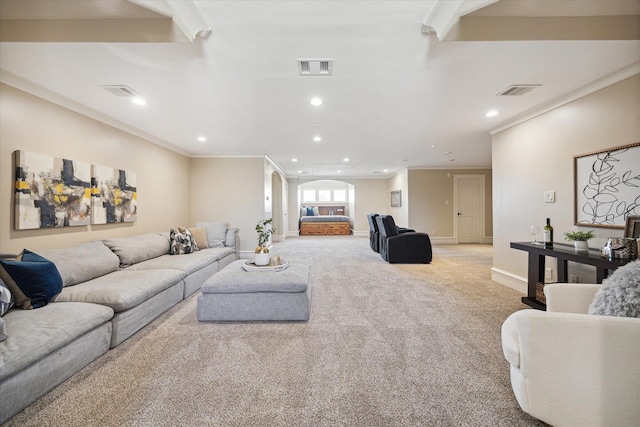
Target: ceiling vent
{"points": [[315, 67], [518, 90], [121, 90]]}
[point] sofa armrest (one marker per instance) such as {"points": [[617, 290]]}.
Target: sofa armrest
{"points": [[570, 297]]}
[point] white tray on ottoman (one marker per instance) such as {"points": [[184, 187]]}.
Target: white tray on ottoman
{"points": [[234, 295]]}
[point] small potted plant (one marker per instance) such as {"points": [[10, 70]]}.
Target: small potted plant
{"points": [[579, 239], [264, 232]]}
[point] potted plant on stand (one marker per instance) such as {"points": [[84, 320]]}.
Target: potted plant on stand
{"points": [[264, 230], [579, 239]]}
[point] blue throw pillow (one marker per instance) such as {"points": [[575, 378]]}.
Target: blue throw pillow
{"points": [[310, 211], [33, 280]]}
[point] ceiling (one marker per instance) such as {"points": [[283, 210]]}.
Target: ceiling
{"points": [[411, 80]]}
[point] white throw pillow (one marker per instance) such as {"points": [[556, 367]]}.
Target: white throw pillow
{"points": [[216, 233]]}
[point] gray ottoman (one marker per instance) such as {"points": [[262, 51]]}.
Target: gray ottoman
{"points": [[233, 294]]}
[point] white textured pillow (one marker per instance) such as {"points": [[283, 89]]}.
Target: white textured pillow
{"points": [[216, 233], [620, 293], [6, 299]]}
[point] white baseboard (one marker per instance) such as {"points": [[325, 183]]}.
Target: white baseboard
{"points": [[361, 233], [443, 240], [509, 280]]}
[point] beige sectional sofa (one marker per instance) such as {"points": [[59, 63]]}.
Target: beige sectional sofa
{"points": [[111, 290]]}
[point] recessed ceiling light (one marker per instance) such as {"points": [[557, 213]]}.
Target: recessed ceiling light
{"points": [[433, 146], [299, 171], [448, 152], [294, 160], [346, 159], [491, 113], [138, 101], [339, 171], [385, 170], [317, 138], [316, 101], [202, 139]]}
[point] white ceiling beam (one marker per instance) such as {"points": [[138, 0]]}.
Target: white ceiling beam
{"points": [[445, 14], [185, 15]]}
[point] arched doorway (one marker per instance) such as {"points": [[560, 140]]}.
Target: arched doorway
{"points": [[279, 206], [327, 192]]}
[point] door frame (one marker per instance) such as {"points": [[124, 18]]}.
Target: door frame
{"points": [[481, 206]]}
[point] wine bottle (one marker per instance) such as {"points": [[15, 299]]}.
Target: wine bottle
{"points": [[548, 235]]}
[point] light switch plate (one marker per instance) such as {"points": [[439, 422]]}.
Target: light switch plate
{"points": [[549, 196]]}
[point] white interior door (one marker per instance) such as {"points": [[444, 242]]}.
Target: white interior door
{"points": [[469, 208]]}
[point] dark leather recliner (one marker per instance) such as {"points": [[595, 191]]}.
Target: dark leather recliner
{"points": [[408, 247], [374, 232]]}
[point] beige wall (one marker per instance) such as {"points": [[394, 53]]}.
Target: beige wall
{"points": [[537, 156], [431, 201], [32, 124], [229, 190], [396, 182]]}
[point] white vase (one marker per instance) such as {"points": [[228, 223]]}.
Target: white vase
{"points": [[581, 245], [261, 256]]}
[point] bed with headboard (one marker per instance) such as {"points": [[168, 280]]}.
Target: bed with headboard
{"points": [[324, 221]]}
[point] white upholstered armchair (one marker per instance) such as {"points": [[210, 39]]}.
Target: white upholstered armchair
{"points": [[569, 368]]}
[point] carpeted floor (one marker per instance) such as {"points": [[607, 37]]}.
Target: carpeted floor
{"points": [[386, 345]]}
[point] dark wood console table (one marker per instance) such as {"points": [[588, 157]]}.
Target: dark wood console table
{"points": [[563, 253]]}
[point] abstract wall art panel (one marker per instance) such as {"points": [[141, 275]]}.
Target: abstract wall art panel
{"points": [[114, 196], [607, 186], [51, 191]]}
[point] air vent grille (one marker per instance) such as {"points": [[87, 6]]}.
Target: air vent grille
{"points": [[121, 90], [516, 90], [315, 67]]}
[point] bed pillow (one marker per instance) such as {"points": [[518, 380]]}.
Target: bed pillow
{"points": [[310, 211], [182, 242], [6, 299], [32, 279], [619, 294], [316, 211]]}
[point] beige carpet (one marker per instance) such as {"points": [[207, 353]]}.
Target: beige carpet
{"points": [[386, 345]]}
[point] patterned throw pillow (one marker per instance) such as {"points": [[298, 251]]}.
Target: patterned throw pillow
{"points": [[6, 299], [32, 279], [182, 242]]}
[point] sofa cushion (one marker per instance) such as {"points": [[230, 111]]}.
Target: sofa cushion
{"points": [[181, 242], [620, 293], [83, 262], [187, 264], [6, 299], [123, 289], [138, 248], [216, 233], [32, 334], [200, 236], [32, 279], [217, 253]]}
